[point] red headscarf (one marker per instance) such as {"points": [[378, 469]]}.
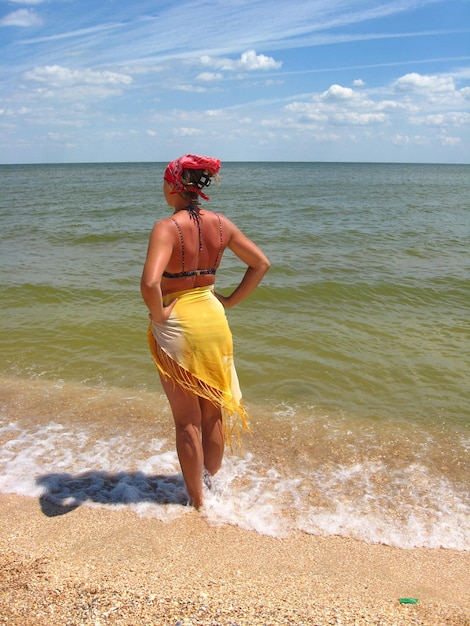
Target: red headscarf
{"points": [[190, 162]]}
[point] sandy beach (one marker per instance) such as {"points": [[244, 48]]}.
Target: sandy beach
{"points": [[109, 566]]}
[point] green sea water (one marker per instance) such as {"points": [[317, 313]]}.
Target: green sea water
{"points": [[353, 354]]}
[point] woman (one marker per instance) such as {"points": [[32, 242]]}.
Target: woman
{"points": [[189, 335]]}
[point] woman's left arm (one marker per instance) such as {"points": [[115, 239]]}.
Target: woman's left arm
{"points": [[159, 252]]}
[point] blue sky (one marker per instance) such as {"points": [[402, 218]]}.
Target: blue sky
{"points": [[244, 80]]}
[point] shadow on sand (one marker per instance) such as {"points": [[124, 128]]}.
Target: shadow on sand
{"points": [[65, 492]]}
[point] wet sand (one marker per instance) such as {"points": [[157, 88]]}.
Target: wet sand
{"points": [[108, 566]]}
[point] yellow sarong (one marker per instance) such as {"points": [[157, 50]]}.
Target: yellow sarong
{"points": [[194, 349]]}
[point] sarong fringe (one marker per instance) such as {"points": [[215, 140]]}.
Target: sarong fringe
{"points": [[234, 415]]}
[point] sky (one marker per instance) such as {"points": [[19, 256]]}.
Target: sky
{"points": [[242, 80]]}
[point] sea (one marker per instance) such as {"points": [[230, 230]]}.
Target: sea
{"points": [[353, 354]]}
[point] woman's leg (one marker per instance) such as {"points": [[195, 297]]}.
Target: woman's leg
{"points": [[187, 416], [212, 436]]}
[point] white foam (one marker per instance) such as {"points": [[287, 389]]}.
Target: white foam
{"points": [[69, 466], [415, 510], [244, 496]]}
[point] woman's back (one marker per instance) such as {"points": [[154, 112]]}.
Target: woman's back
{"points": [[198, 241]]}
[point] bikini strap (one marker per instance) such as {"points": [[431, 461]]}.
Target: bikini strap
{"points": [[219, 251], [182, 241]]}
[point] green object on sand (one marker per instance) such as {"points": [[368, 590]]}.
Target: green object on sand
{"points": [[408, 600]]}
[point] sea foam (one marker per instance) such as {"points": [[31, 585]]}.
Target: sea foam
{"points": [[68, 466]]}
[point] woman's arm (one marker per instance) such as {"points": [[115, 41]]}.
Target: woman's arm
{"points": [[158, 255], [258, 264]]}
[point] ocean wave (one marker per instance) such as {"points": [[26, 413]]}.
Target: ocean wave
{"points": [[322, 475]]}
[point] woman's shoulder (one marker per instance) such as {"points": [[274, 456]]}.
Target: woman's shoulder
{"points": [[227, 225], [165, 222], [217, 215], [163, 226]]}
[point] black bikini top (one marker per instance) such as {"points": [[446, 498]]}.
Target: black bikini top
{"points": [[185, 273]]}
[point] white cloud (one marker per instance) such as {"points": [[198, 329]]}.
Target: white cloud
{"points": [[187, 132], [412, 100], [450, 118], [465, 93], [58, 76], [430, 91], [400, 139], [410, 140], [358, 119], [450, 141], [338, 105], [59, 136], [21, 17], [336, 92], [190, 88], [393, 105], [209, 76], [76, 92], [307, 112], [63, 83], [418, 83], [217, 113], [249, 61]]}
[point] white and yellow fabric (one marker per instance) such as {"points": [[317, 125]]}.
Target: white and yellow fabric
{"points": [[194, 348]]}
